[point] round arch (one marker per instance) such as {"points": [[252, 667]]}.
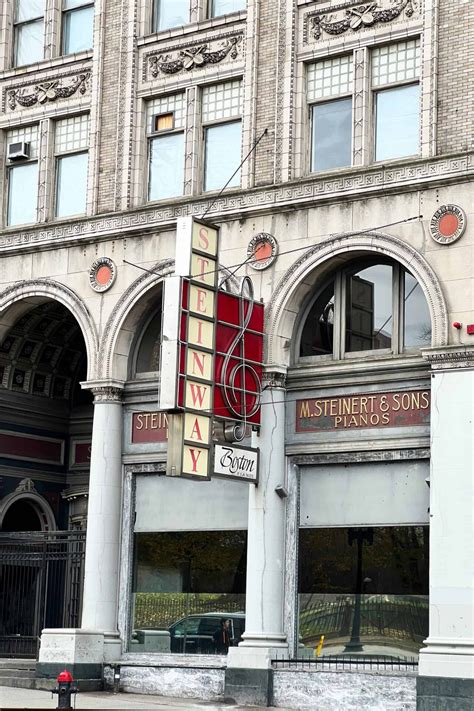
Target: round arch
{"points": [[36, 501], [20, 298], [288, 298]]}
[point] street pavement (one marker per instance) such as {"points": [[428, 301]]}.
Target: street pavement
{"points": [[11, 698]]}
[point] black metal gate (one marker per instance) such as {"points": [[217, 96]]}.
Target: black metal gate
{"points": [[41, 577]]}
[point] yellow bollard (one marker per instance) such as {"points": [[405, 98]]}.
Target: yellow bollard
{"points": [[318, 649]]}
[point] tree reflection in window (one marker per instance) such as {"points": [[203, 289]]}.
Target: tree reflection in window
{"points": [[371, 305]]}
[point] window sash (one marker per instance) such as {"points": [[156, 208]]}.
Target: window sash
{"points": [[71, 184], [77, 29], [396, 129], [166, 166], [326, 152], [222, 158], [36, 12], [28, 42], [170, 13], [225, 7], [22, 194]]}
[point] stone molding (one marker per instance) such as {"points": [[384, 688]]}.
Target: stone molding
{"points": [[106, 394], [361, 456], [348, 17], [50, 90], [287, 290], [274, 378], [192, 56], [451, 358], [299, 193]]}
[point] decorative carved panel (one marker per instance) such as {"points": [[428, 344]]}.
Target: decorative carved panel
{"points": [[196, 55], [27, 95]]}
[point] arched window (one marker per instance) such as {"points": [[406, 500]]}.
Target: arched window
{"points": [[368, 305], [147, 352]]}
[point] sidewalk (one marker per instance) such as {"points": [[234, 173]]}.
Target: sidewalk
{"points": [[11, 698]]}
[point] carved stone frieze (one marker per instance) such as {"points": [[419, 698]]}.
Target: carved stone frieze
{"points": [[47, 91], [194, 56], [274, 379], [107, 394], [352, 19], [450, 358]]}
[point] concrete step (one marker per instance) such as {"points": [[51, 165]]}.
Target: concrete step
{"points": [[17, 663], [17, 671], [38, 683]]}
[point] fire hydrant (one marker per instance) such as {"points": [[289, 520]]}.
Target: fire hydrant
{"points": [[64, 689]]}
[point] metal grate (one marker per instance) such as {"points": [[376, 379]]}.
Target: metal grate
{"points": [[41, 576], [359, 662]]}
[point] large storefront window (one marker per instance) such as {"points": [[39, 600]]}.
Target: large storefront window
{"points": [[189, 591], [370, 305], [364, 589]]}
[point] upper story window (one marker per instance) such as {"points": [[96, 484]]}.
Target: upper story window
{"points": [[387, 127], [22, 175], [225, 7], [221, 110], [170, 13], [71, 146], [371, 305], [147, 352], [165, 127], [395, 73], [213, 141], [28, 32], [77, 25], [35, 36]]}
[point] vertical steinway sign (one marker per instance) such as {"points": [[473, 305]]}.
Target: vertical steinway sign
{"points": [[188, 348]]}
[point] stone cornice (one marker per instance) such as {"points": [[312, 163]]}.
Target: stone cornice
{"points": [[299, 194], [450, 357]]}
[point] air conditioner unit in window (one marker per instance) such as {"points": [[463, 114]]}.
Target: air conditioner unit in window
{"points": [[18, 151]]}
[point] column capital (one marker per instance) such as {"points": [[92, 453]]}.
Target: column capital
{"points": [[274, 376], [449, 357], [105, 390]]}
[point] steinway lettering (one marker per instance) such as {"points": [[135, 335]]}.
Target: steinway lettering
{"points": [[396, 409]]}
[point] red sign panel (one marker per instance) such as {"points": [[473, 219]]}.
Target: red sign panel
{"points": [[32, 448], [407, 408], [149, 427]]}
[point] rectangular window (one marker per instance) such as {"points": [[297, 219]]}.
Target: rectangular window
{"points": [[22, 178], [397, 108], [71, 144], [225, 7], [28, 32], [165, 128], [78, 25], [222, 137], [170, 13], [331, 113]]}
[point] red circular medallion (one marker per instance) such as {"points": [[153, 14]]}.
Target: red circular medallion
{"points": [[447, 224]]}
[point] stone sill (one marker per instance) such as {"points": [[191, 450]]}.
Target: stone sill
{"points": [[184, 31], [194, 661]]}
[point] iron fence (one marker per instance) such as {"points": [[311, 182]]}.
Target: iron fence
{"points": [[41, 576], [341, 662]]}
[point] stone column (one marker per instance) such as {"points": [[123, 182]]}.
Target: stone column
{"points": [[100, 597], [83, 651], [248, 676], [446, 669]]}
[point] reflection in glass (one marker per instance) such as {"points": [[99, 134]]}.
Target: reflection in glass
{"points": [[22, 194], [397, 122], [170, 13], [29, 43], [318, 331], [78, 28], [224, 7], [71, 185], [417, 321], [29, 10], [369, 308], [185, 586], [148, 357], [332, 135], [166, 177], [365, 590], [222, 155]]}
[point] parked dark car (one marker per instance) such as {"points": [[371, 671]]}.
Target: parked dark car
{"points": [[194, 634]]}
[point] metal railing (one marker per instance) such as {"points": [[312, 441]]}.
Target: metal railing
{"points": [[359, 662]]}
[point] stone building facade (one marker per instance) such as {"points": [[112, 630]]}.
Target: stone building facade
{"points": [[352, 126]]}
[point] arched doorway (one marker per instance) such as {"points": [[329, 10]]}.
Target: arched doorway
{"points": [[45, 433]]}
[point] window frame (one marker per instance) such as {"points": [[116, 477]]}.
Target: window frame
{"points": [[155, 11], [57, 159], [375, 91], [210, 10], [153, 135], [64, 12], [15, 27], [206, 125], [319, 102], [340, 279], [10, 166]]}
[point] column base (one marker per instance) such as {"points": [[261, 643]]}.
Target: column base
{"points": [[79, 651], [249, 673], [447, 658], [435, 693]]}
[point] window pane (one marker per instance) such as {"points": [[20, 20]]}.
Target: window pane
{"points": [[332, 135], [148, 357], [397, 122], [364, 585], [29, 10], [318, 331], [223, 7], [222, 156], [71, 185], [417, 331], [71, 4], [185, 584], [369, 308], [29, 43], [166, 170], [78, 30], [170, 13], [22, 193]]}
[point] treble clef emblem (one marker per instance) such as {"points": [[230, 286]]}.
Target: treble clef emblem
{"points": [[241, 400]]}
